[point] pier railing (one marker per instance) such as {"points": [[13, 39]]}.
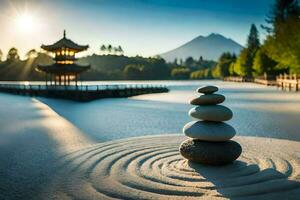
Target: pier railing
{"points": [[83, 92], [269, 80], [79, 87], [237, 79], [290, 82]]}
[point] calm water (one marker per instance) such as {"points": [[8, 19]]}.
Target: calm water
{"points": [[258, 111]]}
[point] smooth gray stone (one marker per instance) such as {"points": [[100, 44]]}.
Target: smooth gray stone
{"points": [[216, 113], [209, 131], [208, 99], [210, 153], [208, 89]]}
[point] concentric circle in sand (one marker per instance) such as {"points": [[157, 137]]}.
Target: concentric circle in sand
{"points": [[152, 168]]}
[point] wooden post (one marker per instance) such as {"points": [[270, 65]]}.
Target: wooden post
{"points": [[265, 76], [59, 80], [281, 82], [46, 79], [76, 80]]}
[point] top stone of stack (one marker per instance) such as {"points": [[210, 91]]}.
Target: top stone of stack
{"points": [[208, 89], [208, 97]]}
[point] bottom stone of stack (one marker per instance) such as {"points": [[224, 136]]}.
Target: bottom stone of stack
{"points": [[210, 153]]}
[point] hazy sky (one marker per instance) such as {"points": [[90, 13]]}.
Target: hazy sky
{"points": [[144, 27]]}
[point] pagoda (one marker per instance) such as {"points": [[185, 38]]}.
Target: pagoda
{"points": [[64, 70]]}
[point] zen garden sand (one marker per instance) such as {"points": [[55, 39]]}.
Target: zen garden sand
{"points": [[47, 157]]}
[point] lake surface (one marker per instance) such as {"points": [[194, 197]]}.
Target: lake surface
{"points": [[258, 111]]}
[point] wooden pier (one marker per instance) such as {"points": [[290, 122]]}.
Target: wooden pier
{"points": [[83, 93], [237, 79], [288, 82], [269, 80], [285, 81]]}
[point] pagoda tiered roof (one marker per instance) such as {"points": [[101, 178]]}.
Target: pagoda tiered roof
{"points": [[65, 43], [64, 70]]}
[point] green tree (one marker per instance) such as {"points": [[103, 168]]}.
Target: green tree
{"points": [[201, 74], [181, 61], [134, 72], [120, 50], [175, 62], [283, 42], [246, 57], [253, 39], [224, 63], [281, 11], [189, 62], [13, 54], [31, 54], [103, 48], [109, 48], [156, 68], [232, 70], [200, 59], [263, 64], [180, 73]]}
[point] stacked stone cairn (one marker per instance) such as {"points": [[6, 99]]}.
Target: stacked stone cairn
{"points": [[209, 141]]}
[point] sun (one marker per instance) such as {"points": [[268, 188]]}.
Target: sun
{"points": [[25, 23]]}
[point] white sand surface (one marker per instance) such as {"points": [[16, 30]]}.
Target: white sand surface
{"points": [[44, 156], [32, 138], [152, 168]]}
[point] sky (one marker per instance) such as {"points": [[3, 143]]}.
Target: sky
{"points": [[141, 27]]}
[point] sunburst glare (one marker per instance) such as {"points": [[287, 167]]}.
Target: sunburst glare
{"points": [[25, 23]]}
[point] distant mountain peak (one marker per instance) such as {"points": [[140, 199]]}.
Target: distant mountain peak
{"points": [[210, 47], [215, 35]]}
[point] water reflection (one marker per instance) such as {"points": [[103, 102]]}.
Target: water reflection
{"points": [[258, 111]]}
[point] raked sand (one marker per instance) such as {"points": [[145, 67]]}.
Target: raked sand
{"points": [[44, 156], [152, 168]]}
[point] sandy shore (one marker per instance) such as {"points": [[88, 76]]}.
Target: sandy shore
{"points": [[44, 156], [151, 168], [32, 138]]}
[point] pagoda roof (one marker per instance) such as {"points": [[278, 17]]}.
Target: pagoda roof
{"points": [[63, 68], [66, 43]]}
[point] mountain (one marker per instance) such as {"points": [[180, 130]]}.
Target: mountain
{"points": [[209, 47]]}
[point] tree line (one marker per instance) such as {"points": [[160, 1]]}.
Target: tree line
{"points": [[192, 68], [108, 66], [279, 53], [109, 49], [13, 54]]}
